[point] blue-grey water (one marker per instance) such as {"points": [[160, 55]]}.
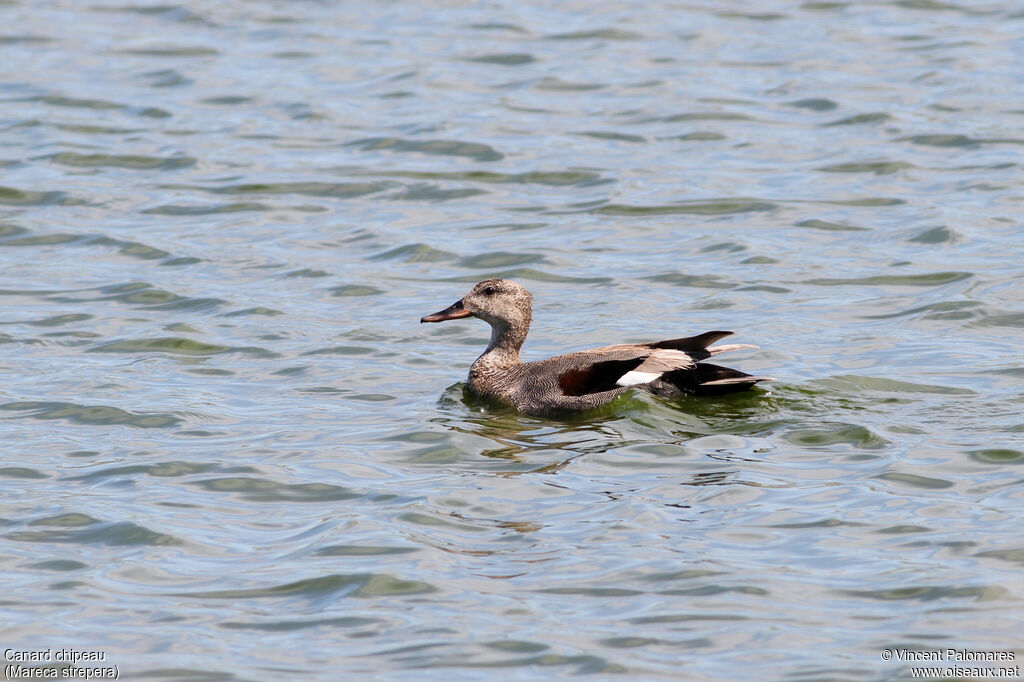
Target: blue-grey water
{"points": [[230, 452]]}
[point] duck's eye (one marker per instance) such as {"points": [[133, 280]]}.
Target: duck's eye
{"points": [[489, 291]]}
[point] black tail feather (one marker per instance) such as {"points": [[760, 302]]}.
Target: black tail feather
{"points": [[691, 344], [704, 379]]}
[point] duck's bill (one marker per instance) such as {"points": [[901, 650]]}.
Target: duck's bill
{"points": [[452, 312]]}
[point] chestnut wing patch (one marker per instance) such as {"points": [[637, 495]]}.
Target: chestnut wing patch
{"points": [[596, 377]]}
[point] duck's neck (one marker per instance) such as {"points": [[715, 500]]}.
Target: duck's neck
{"points": [[503, 350]]}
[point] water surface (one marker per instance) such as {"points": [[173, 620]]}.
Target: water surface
{"points": [[232, 452]]}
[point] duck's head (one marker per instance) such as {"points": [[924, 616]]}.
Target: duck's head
{"points": [[500, 302]]}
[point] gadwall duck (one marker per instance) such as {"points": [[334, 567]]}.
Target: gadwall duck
{"points": [[586, 379]]}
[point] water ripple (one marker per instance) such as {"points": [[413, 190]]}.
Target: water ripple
{"points": [[472, 150], [359, 585], [713, 207], [92, 414], [96, 532]]}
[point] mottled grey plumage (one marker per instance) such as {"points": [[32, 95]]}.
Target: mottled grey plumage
{"points": [[586, 379]]}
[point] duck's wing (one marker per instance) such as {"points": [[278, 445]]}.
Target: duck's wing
{"points": [[611, 367]]}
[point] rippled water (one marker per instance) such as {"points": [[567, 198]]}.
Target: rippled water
{"points": [[233, 453]]}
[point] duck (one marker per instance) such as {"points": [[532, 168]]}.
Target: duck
{"points": [[587, 379]]}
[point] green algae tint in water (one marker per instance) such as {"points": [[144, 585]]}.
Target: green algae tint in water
{"points": [[232, 452]]}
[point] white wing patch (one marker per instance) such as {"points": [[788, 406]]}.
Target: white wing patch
{"points": [[633, 378], [654, 365]]}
